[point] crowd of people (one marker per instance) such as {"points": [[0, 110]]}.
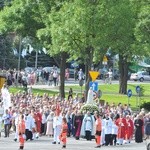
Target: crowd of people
{"points": [[38, 76], [32, 116], [32, 77]]}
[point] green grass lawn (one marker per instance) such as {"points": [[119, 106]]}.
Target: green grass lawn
{"points": [[109, 93], [35, 91], [113, 88]]}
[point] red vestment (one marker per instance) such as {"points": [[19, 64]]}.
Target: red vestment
{"points": [[38, 121], [64, 132], [129, 129], [121, 123], [21, 131]]}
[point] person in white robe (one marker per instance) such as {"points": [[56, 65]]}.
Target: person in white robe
{"points": [[108, 129], [57, 123], [88, 128]]}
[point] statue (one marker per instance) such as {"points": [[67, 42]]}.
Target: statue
{"points": [[90, 96]]}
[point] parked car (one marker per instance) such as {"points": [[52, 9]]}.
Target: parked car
{"points": [[104, 72], [71, 73], [141, 76], [29, 69], [50, 69]]}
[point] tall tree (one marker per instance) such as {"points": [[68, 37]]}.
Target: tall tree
{"points": [[22, 18], [119, 19], [142, 30], [44, 34], [7, 57], [74, 29]]}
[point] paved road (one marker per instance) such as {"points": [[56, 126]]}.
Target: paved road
{"points": [[72, 82], [44, 143]]}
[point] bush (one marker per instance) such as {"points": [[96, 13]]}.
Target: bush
{"points": [[145, 105], [89, 107]]}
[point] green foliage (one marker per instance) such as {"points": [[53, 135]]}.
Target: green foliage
{"points": [[145, 105], [7, 58], [35, 91], [84, 29], [142, 91], [89, 107], [22, 17], [142, 30]]}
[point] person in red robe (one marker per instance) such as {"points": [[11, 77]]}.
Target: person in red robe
{"points": [[38, 121], [64, 132], [21, 131], [129, 129], [121, 123]]}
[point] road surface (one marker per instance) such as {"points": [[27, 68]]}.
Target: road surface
{"points": [[45, 143]]}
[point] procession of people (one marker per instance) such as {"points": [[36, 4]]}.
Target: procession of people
{"points": [[32, 116]]}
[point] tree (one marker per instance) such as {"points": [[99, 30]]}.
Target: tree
{"points": [[142, 29], [7, 57], [74, 30], [21, 18], [119, 20], [27, 17], [44, 34]]}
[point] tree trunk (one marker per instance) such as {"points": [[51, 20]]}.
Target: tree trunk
{"points": [[123, 68], [88, 64], [62, 74]]}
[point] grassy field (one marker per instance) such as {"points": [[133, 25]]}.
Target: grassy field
{"points": [[109, 93], [114, 88], [35, 91]]}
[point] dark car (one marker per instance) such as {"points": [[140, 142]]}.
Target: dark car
{"points": [[71, 73]]}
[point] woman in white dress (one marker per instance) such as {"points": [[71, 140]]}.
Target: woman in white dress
{"points": [[49, 130]]}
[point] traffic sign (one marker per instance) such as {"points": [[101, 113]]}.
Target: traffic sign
{"points": [[105, 59], [138, 89], [129, 93], [93, 85], [81, 82], [94, 75]]}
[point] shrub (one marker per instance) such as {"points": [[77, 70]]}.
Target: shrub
{"points": [[145, 105]]}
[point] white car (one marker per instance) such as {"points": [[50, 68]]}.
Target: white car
{"points": [[141, 76]]}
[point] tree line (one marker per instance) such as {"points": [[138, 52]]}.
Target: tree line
{"points": [[83, 30]]}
